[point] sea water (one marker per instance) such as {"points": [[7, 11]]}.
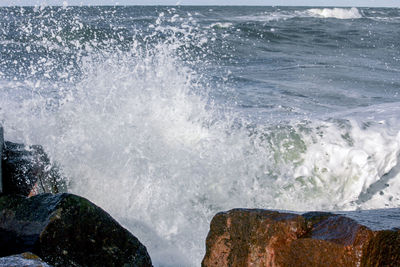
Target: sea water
{"points": [[164, 116]]}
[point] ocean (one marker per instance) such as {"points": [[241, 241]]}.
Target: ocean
{"points": [[164, 116]]}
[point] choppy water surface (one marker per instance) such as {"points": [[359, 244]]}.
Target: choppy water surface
{"points": [[164, 116]]}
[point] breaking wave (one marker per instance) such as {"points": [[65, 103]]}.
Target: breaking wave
{"points": [[338, 13]]}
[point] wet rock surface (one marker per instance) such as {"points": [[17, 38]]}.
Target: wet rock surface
{"points": [[27, 170], [66, 230], [1, 156], [26, 259], [243, 237]]}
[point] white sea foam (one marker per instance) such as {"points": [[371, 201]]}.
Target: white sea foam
{"points": [[338, 13], [343, 161], [221, 25]]}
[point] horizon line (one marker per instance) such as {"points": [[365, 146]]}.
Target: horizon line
{"points": [[197, 5]]}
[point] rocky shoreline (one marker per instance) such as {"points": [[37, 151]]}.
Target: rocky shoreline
{"points": [[41, 226]]}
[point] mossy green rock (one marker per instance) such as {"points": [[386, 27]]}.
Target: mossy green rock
{"points": [[66, 230]]}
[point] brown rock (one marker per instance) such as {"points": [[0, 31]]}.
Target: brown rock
{"points": [[251, 237], [269, 238], [382, 250]]}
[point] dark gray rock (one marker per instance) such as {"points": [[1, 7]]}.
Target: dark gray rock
{"points": [[28, 170], [1, 152], [26, 259], [66, 230]]}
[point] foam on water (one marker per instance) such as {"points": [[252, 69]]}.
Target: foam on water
{"points": [[141, 135], [338, 13], [221, 25]]}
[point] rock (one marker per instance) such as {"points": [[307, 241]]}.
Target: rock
{"points": [[27, 170], [383, 249], [1, 153], [25, 259], [243, 237], [331, 240], [66, 230]]}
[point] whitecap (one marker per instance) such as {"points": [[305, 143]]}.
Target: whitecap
{"points": [[338, 13], [221, 25]]}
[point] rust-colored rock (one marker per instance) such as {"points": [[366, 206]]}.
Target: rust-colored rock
{"points": [[383, 249], [243, 237], [252, 237]]}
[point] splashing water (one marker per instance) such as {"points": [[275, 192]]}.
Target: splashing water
{"points": [[136, 124]]}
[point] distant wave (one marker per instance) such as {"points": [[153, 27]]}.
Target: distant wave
{"points": [[338, 13], [221, 25]]}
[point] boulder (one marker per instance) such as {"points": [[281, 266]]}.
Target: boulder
{"points": [[27, 170], [66, 230], [26, 259], [243, 237]]}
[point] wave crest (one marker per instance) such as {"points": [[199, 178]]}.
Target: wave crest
{"points": [[338, 13]]}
